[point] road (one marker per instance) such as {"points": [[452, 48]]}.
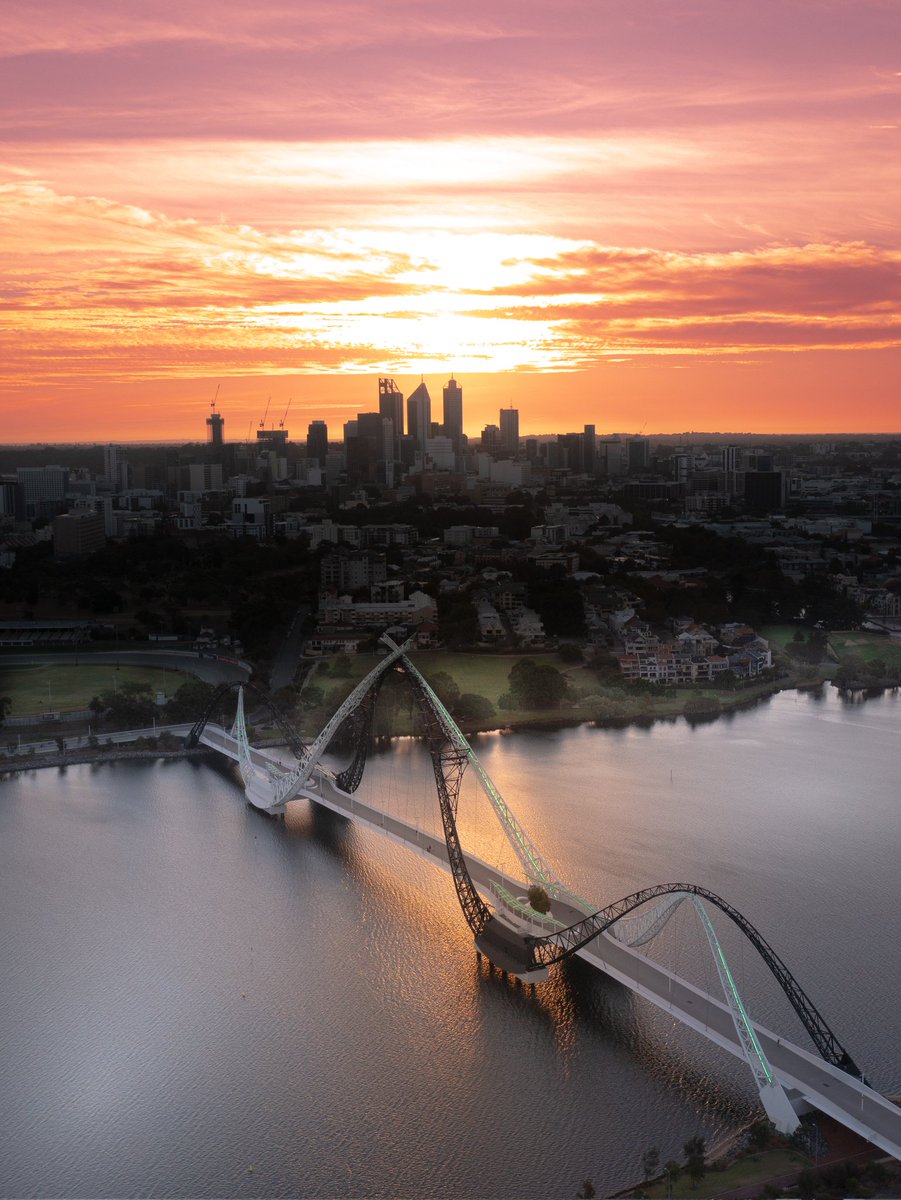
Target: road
{"points": [[83, 742], [284, 668]]}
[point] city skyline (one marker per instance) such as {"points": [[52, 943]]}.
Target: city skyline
{"points": [[666, 218]]}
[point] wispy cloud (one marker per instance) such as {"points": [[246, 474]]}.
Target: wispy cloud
{"points": [[217, 188]]}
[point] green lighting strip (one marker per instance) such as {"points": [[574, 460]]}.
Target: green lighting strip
{"points": [[732, 991], [526, 852]]}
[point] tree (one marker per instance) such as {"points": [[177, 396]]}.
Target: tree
{"points": [[695, 1150], [126, 707], [189, 701], [672, 1170], [534, 685], [539, 899], [473, 707], [650, 1161], [760, 1133], [807, 1184], [586, 1191], [569, 652], [850, 671], [446, 688], [312, 696]]}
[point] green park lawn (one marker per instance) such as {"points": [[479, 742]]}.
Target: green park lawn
{"points": [[843, 643], [779, 636], [484, 674], [866, 645], [51, 687]]}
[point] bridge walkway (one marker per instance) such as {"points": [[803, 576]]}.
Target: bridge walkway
{"points": [[804, 1073]]}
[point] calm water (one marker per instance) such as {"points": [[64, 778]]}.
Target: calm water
{"points": [[197, 1001]]}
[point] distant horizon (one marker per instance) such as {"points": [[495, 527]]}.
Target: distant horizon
{"points": [[816, 435]]}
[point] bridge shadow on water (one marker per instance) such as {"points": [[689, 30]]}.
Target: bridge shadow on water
{"points": [[578, 1013], [589, 1015]]}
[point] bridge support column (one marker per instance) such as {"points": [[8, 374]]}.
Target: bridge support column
{"points": [[778, 1107]]}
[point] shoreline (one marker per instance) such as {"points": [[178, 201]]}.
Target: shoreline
{"points": [[73, 758], [547, 721]]}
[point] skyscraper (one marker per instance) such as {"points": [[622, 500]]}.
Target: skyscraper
{"points": [[590, 450], [215, 426], [391, 405], [419, 416], [638, 449], [510, 431], [317, 441], [453, 415]]}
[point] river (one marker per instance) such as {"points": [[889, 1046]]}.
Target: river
{"points": [[196, 1000]]}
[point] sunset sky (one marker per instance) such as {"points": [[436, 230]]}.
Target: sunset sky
{"points": [[662, 214]]}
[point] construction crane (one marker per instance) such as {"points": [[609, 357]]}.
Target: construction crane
{"points": [[266, 413], [281, 423]]}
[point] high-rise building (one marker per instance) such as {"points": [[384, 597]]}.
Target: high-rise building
{"points": [[590, 450], [42, 491], [78, 533], [215, 428], [9, 497], [638, 449], [111, 462], [731, 470], [765, 491], [510, 431], [370, 449], [574, 445], [453, 415], [391, 406], [115, 468], [491, 439], [419, 416], [317, 441], [610, 456]]}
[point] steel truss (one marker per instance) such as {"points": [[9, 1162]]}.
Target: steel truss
{"points": [[449, 762], [555, 947], [358, 727]]}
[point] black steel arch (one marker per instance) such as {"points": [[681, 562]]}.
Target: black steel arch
{"points": [[449, 763], [296, 743], [555, 947], [358, 727]]}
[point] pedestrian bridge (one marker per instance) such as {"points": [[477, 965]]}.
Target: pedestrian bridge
{"points": [[790, 1079]]}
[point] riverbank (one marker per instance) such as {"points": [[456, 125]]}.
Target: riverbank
{"points": [[590, 701], [99, 754], [834, 1160]]}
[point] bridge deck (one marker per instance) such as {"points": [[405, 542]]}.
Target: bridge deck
{"points": [[825, 1087]]}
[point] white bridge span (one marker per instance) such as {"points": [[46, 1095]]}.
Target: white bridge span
{"points": [[790, 1079]]}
